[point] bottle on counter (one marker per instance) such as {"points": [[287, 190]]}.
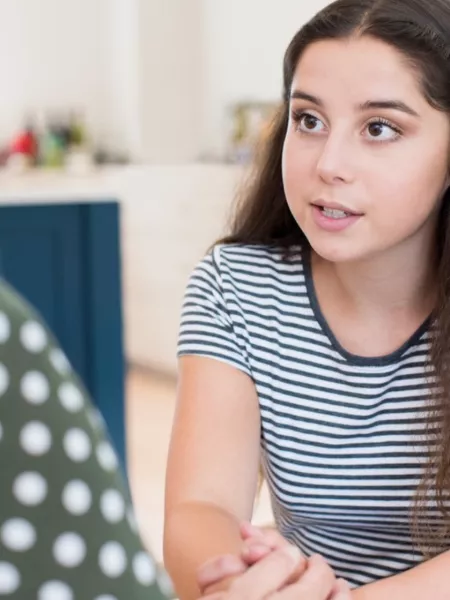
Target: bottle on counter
{"points": [[26, 142], [53, 144], [79, 159], [22, 152]]}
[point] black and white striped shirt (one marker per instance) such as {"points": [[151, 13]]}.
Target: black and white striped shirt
{"points": [[342, 435]]}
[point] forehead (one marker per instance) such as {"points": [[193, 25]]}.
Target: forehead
{"points": [[357, 68]]}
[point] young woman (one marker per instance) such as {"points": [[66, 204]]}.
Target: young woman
{"points": [[66, 525], [316, 338]]}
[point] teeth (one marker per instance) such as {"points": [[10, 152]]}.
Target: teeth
{"points": [[333, 213]]}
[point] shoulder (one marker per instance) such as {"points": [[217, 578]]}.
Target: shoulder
{"points": [[243, 270], [266, 262]]}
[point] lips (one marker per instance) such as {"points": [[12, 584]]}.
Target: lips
{"points": [[333, 220], [336, 206]]}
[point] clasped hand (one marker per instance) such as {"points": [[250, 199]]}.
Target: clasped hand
{"points": [[269, 568]]}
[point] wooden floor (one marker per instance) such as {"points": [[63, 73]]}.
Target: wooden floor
{"points": [[150, 409]]}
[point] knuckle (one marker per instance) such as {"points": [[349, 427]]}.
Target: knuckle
{"points": [[275, 538], [283, 561], [322, 569]]}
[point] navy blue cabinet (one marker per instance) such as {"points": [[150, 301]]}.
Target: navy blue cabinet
{"points": [[65, 259]]}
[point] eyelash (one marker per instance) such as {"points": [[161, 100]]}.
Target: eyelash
{"points": [[297, 116], [389, 124]]}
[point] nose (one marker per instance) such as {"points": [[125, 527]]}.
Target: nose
{"points": [[334, 165]]}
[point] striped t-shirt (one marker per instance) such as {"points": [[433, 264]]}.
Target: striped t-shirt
{"points": [[342, 436]]}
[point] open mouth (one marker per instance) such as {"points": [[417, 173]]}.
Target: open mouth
{"points": [[336, 213], [334, 218]]}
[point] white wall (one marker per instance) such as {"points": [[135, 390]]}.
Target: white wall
{"points": [[155, 77], [171, 50], [123, 105], [246, 41], [52, 55], [133, 66]]}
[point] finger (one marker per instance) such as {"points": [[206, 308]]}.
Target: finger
{"points": [[268, 535], [249, 531], [254, 554], [274, 539], [342, 586], [341, 591], [254, 550], [219, 568], [317, 583], [268, 575]]}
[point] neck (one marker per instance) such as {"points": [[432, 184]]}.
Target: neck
{"points": [[398, 281]]}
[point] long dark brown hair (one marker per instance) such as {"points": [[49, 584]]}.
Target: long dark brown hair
{"points": [[420, 30]]}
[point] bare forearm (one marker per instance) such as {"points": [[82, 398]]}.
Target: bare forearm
{"points": [[431, 579], [195, 533]]}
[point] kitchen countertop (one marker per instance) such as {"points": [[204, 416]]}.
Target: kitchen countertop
{"points": [[100, 184], [59, 186]]}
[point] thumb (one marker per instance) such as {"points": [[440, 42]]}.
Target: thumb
{"points": [[341, 591], [248, 530]]}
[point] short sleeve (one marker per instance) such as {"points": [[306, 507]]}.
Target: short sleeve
{"points": [[208, 325]]}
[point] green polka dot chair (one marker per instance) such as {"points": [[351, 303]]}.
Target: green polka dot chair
{"points": [[67, 530]]}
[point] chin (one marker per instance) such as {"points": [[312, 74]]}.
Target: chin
{"points": [[336, 247], [338, 252]]}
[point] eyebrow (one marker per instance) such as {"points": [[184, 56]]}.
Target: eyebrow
{"points": [[369, 105]]}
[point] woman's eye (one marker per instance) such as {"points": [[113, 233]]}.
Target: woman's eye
{"points": [[382, 132], [309, 123]]}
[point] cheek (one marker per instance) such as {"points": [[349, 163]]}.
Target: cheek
{"points": [[414, 192], [296, 169]]}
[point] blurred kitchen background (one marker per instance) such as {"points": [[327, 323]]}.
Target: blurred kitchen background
{"points": [[126, 128]]}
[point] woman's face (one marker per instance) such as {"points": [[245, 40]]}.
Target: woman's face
{"points": [[365, 159]]}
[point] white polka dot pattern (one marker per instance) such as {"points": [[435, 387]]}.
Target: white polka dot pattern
{"points": [[112, 506], [4, 379], [35, 388], [69, 550], [9, 579], [112, 559], [30, 489], [77, 498], [96, 420], [5, 328], [35, 438], [165, 583], [55, 590], [77, 445], [33, 337], [106, 456], [59, 361], [65, 499], [144, 569], [18, 535], [71, 397]]}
